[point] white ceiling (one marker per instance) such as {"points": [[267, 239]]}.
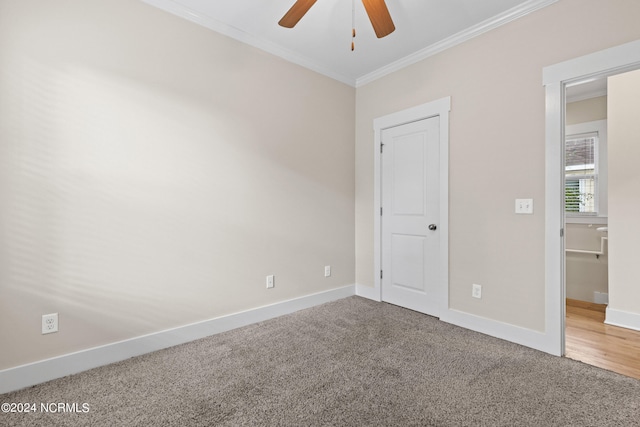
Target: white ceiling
{"points": [[321, 40], [586, 90]]}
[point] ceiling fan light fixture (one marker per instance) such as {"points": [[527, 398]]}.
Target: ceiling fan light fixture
{"points": [[353, 25], [295, 14], [380, 17], [376, 9]]}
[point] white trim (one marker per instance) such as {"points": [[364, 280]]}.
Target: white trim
{"points": [[456, 39], [368, 292], [235, 33], [441, 108], [603, 63], [494, 328], [291, 56], [554, 223], [555, 78], [38, 372], [623, 319]]}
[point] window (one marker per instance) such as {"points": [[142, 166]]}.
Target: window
{"points": [[586, 177], [581, 174]]}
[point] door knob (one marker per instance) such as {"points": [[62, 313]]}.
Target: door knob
{"points": [[432, 227]]}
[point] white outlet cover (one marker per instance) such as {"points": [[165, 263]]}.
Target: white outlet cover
{"points": [[476, 291], [49, 323], [327, 270]]}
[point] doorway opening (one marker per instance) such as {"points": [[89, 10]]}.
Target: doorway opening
{"points": [[576, 206]]}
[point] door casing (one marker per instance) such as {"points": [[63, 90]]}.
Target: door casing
{"points": [[556, 78], [440, 108]]}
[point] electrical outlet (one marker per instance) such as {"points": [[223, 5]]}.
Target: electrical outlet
{"points": [[270, 281], [49, 323], [327, 270], [476, 291]]}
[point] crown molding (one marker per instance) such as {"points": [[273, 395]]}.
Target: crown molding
{"points": [[512, 14], [184, 12], [461, 37]]}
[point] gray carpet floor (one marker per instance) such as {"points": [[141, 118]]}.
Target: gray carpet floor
{"points": [[351, 362]]}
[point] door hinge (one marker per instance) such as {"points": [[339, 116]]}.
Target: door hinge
{"points": [[381, 274], [380, 210], [562, 232], [381, 145]]}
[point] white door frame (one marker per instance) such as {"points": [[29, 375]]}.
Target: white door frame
{"points": [[556, 78], [441, 109]]}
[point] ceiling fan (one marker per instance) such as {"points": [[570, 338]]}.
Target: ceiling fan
{"points": [[376, 9]]}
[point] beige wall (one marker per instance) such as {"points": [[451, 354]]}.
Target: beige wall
{"points": [[153, 172], [496, 148], [624, 228], [587, 110]]}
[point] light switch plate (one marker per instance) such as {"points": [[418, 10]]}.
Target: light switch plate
{"points": [[524, 206]]}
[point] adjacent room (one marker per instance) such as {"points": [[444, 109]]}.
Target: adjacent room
{"points": [[176, 170], [594, 334]]}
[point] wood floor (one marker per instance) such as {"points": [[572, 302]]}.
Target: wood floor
{"points": [[589, 340]]}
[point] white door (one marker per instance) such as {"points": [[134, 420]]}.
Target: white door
{"points": [[410, 215]]}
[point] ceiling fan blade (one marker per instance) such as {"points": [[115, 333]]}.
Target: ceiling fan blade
{"points": [[379, 17], [297, 11]]}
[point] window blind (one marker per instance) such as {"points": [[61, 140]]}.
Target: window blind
{"points": [[581, 174]]}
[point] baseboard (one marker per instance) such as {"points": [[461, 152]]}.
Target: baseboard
{"points": [[526, 337], [516, 334], [45, 370], [624, 319], [368, 292], [587, 305]]}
